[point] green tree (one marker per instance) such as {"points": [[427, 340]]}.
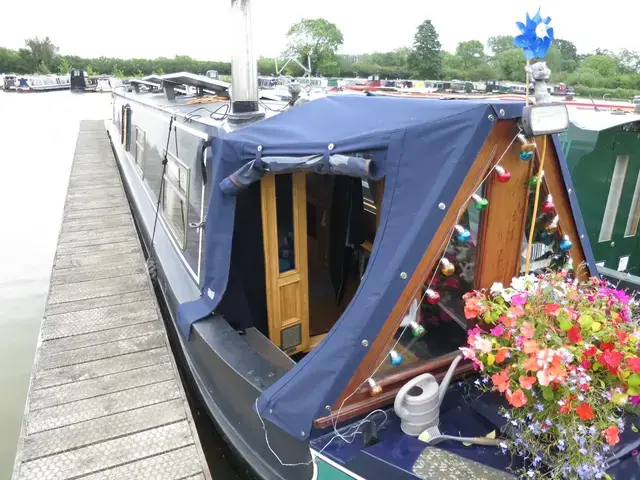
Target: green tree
{"points": [[425, 60], [11, 61], [629, 61], [91, 72], [471, 54], [39, 53], [500, 43], [569, 55], [316, 38], [64, 67], [510, 65], [605, 65], [119, 73], [553, 59]]}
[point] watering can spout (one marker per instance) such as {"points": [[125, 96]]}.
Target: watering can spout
{"points": [[447, 379]]}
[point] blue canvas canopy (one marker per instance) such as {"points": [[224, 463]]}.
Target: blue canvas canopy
{"points": [[423, 147]]}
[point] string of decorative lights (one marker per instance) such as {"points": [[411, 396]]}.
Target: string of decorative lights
{"points": [[447, 268]]}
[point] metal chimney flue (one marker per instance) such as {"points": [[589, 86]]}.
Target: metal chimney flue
{"points": [[244, 68]]}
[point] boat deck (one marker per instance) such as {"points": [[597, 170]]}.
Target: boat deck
{"points": [[105, 398]]}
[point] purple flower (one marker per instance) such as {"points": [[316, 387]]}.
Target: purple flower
{"points": [[539, 407], [497, 331], [561, 445], [583, 451]]}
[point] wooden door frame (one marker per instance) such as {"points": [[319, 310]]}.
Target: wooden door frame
{"points": [[499, 241], [274, 280]]}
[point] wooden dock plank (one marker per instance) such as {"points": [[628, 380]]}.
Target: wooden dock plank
{"points": [[105, 399]]}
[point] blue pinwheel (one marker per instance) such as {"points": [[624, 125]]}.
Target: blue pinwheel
{"points": [[535, 36]]}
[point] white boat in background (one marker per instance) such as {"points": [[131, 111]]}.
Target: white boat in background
{"points": [[108, 84], [42, 83]]}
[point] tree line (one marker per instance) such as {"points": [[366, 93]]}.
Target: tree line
{"points": [[597, 73]]}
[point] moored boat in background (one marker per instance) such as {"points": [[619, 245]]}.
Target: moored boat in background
{"points": [[41, 83]]}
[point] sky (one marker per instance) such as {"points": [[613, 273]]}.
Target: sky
{"points": [[200, 28]]}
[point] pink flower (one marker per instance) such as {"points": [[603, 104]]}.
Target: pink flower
{"points": [[519, 299], [527, 330], [497, 331]]}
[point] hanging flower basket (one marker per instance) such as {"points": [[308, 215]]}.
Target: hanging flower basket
{"points": [[566, 357]]}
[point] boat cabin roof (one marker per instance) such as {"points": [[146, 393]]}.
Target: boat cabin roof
{"points": [[433, 154], [598, 121], [194, 80]]}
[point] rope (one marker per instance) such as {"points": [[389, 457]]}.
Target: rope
{"points": [[535, 203], [164, 169]]}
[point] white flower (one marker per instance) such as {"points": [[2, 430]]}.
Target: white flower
{"points": [[507, 293], [518, 283], [497, 288]]}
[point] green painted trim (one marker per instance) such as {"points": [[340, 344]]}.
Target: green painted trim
{"points": [[329, 472]]}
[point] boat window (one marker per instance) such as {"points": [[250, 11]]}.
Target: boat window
{"points": [[139, 153], [634, 212], [613, 199], [284, 209], [175, 198], [435, 324]]}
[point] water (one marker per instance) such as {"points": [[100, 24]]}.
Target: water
{"points": [[38, 134], [37, 139]]}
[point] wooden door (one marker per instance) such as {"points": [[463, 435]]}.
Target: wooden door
{"points": [[284, 226]]}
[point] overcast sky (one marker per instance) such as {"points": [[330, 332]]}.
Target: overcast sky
{"points": [[200, 28]]}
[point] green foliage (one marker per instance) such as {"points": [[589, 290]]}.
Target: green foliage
{"points": [[64, 66], [425, 60], [91, 72], [605, 65], [510, 65], [117, 72], [42, 68], [554, 59], [500, 43], [317, 39], [471, 54], [568, 53], [611, 94]]}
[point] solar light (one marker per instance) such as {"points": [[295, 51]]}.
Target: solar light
{"points": [[544, 119]]}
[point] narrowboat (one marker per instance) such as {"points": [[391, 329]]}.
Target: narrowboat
{"points": [[295, 246], [42, 83], [602, 150], [8, 82]]}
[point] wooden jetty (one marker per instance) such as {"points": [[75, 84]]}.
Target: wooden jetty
{"points": [[105, 398]]}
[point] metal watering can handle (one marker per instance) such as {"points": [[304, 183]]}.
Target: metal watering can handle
{"points": [[400, 410]]}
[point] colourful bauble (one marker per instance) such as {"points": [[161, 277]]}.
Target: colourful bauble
{"points": [[548, 206], [565, 244], [528, 146], [375, 390], [417, 330], [546, 237], [503, 175], [464, 235], [526, 156], [480, 202], [395, 358], [553, 226], [447, 268], [534, 180], [433, 297]]}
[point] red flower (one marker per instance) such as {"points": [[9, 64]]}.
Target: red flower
{"points": [[551, 308], [501, 379], [586, 364], [607, 346], [622, 337], [611, 435], [612, 358], [634, 364], [591, 351], [574, 335], [585, 412]]}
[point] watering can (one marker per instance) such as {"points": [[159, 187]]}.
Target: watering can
{"points": [[418, 401]]}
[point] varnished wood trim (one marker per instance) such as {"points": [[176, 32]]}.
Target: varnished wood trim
{"points": [[505, 219], [300, 245], [270, 246], [385, 337], [274, 280]]}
